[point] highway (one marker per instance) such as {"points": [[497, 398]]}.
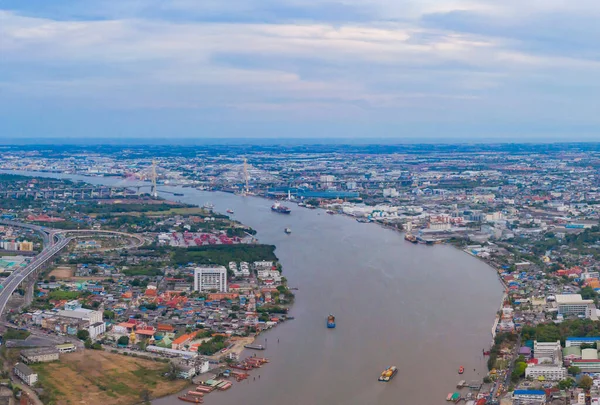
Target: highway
{"points": [[12, 282]]}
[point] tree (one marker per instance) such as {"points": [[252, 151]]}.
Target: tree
{"points": [[574, 370], [83, 334], [566, 384], [108, 314], [586, 382], [123, 341], [88, 343], [518, 371]]}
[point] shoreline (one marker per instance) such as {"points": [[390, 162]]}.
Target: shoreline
{"points": [[99, 178]]}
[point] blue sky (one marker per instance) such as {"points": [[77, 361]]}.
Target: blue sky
{"points": [[430, 69]]}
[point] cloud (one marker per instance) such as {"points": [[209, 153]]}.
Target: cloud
{"points": [[444, 60]]}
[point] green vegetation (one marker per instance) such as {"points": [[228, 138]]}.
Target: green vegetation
{"points": [[551, 332], [123, 341], [519, 369], [143, 270], [586, 382], [223, 254], [83, 334], [127, 207], [499, 340], [60, 295], [212, 346], [574, 370], [566, 384], [15, 334]]}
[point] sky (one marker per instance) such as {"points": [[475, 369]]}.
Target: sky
{"points": [[402, 69]]}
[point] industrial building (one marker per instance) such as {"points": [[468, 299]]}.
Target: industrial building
{"points": [[39, 355], [573, 304]]}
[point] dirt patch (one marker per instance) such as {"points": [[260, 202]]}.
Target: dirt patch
{"points": [[98, 377], [62, 273]]}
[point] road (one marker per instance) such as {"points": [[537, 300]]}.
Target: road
{"points": [[12, 282]]}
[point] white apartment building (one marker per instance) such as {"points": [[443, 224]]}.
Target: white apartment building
{"points": [[210, 278], [547, 351], [27, 375], [96, 324], [550, 372]]}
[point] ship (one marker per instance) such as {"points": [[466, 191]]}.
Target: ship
{"points": [[282, 209], [255, 347], [287, 230], [178, 194], [411, 238], [461, 370], [331, 321], [330, 212], [230, 211], [208, 206], [388, 374]]}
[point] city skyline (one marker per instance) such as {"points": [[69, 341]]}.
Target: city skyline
{"points": [[446, 70]]}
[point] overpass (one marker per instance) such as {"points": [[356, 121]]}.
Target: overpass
{"points": [[47, 233], [12, 282]]}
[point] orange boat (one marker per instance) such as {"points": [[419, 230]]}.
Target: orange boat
{"points": [[461, 370]]}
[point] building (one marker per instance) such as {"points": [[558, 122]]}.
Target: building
{"points": [[27, 375], [91, 319], [550, 372], [587, 366], [210, 278], [529, 397], [547, 351], [39, 355], [589, 354], [578, 341], [573, 304], [66, 348]]}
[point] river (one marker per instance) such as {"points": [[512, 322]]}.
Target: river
{"points": [[426, 309]]}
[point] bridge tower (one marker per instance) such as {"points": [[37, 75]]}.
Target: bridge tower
{"points": [[153, 190], [246, 177]]}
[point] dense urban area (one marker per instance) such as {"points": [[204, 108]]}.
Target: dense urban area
{"points": [[132, 296]]}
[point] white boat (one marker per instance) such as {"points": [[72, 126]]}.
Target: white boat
{"points": [[288, 230]]}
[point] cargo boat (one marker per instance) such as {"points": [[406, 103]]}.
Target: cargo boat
{"points": [[331, 321], [282, 209], [255, 347], [388, 374], [461, 370]]}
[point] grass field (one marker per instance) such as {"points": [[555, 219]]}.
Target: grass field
{"points": [[93, 377]]}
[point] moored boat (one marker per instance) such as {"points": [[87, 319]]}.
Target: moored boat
{"points": [[388, 374], [411, 238], [331, 321]]}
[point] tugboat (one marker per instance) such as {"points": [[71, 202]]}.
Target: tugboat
{"points": [[282, 209], [288, 230], [388, 374], [331, 321], [230, 211], [411, 238], [461, 370]]}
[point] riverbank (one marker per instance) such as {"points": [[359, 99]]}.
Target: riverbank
{"points": [[394, 302]]}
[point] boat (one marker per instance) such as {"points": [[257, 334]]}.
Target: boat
{"points": [[411, 238], [282, 209], [331, 321], [449, 397], [178, 194], [230, 211], [362, 220], [330, 212], [288, 230], [208, 206], [194, 400], [461, 370], [255, 347], [388, 374]]}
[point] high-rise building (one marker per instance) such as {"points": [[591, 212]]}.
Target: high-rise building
{"points": [[210, 278]]}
